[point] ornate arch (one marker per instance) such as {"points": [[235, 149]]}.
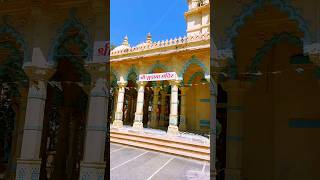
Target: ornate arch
{"points": [[132, 70], [158, 65], [256, 61], [194, 75], [250, 9], [71, 22], [196, 61], [6, 28]]}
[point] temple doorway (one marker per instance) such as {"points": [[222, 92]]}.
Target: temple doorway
{"points": [[130, 100], [66, 109]]}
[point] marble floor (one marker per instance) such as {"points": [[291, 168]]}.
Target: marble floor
{"points": [[129, 163]]}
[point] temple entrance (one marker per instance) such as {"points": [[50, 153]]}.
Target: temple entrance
{"points": [[64, 127], [197, 100], [13, 85], [164, 105], [7, 120], [130, 102], [147, 105], [283, 91], [66, 110]]}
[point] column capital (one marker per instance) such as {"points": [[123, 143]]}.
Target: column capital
{"points": [[38, 74], [141, 83], [175, 82], [97, 70], [100, 88], [122, 84]]}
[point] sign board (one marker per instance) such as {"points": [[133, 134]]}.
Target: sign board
{"points": [[158, 76], [101, 50]]}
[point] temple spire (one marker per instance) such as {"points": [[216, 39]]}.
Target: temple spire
{"points": [[125, 41], [149, 40]]}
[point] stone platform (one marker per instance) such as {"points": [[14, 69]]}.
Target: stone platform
{"points": [[184, 144]]}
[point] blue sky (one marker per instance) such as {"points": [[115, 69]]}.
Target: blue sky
{"points": [[164, 19]]}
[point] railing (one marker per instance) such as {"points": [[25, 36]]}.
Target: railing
{"points": [[163, 44]]}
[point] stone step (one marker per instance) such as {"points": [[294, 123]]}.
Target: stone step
{"points": [[163, 144]]}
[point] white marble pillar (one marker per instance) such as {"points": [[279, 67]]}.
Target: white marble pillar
{"points": [[93, 164], [118, 123], [138, 124], [155, 109], [183, 123], [173, 118], [28, 165]]}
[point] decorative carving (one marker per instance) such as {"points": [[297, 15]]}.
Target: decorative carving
{"points": [[251, 8], [162, 44], [196, 61], [100, 89]]}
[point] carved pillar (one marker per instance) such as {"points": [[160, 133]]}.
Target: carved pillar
{"points": [[173, 117], [93, 164], [138, 124], [236, 90], [155, 109], [28, 165], [183, 123], [118, 123]]}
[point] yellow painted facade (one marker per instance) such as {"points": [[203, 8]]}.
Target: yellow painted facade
{"points": [[188, 57], [266, 61]]}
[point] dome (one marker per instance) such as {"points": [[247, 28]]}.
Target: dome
{"points": [[123, 46]]}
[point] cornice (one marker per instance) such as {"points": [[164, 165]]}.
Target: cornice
{"points": [[159, 54], [205, 7], [160, 46]]}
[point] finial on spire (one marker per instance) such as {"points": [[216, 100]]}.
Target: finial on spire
{"points": [[125, 41], [149, 38]]}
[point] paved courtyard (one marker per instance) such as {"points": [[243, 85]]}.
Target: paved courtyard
{"points": [[129, 163]]}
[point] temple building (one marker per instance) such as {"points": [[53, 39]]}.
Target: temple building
{"points": [[57, 98], [165, 84]]}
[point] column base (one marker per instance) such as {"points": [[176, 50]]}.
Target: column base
{"points": [[92, 171], [173, 130], [233, 174], [137, 126], [28, 169], [117, 124]]}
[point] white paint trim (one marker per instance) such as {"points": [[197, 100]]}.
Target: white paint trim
{"points": [[160, 168], [128, 161]]}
